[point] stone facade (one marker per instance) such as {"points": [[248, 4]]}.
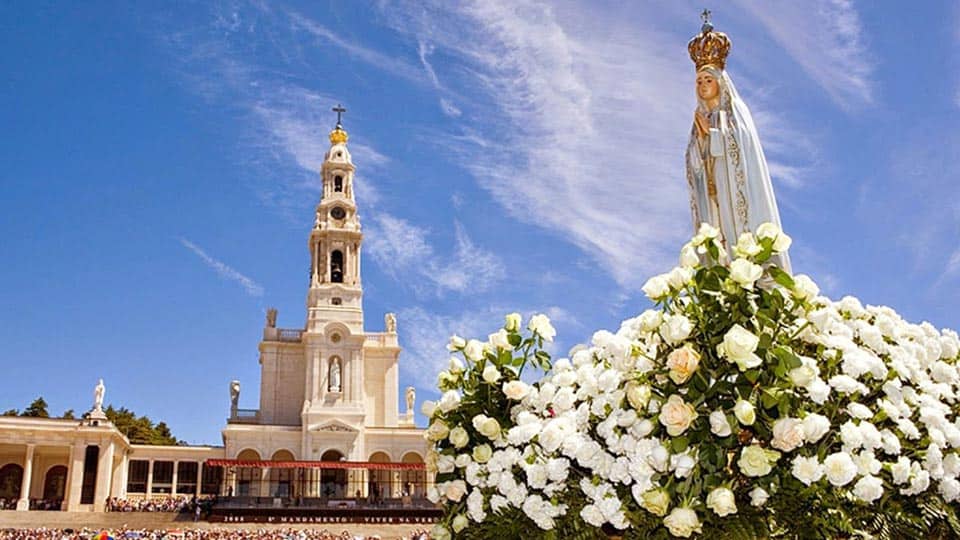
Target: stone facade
{"points": [[329, 391]]}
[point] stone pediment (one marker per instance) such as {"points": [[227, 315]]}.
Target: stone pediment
{"points": [[334, 426]]}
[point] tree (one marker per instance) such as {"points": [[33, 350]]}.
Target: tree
{"points": [[68, 414], [11, 412], [37, 409], [140, 429]]}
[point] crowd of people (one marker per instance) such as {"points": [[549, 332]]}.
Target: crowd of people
{"points": [[179, 503], [44, 533]]}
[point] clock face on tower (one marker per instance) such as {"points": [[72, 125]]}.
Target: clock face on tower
{"points": [[338, 213]]}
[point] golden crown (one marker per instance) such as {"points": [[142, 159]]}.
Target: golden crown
{"points": [[338, 135], [709, 47]]}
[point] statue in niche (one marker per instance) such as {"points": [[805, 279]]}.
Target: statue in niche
{"points": [[234, 394], [390, 321], [334, 375], [411, 395], [272, 318], [98, 393]]}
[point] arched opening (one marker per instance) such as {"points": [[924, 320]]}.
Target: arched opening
{"points": [[335, 375], [336, 266], [414, 482], [54, 483], [381, 481], [333, 482], [11, 476], [281, 480], [248, 479], [338, 183]]}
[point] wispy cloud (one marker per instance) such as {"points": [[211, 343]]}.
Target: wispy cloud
{"points": [[225, 271], [826, 38], [401, 249]]}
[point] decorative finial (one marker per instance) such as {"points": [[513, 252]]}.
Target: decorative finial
{"points": [[338, 135], [709, 48], [705, 17]]}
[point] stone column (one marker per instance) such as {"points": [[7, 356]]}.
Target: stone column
{"points": [[199, 478], [120, 472], [173, 486], [24, 502], [149, 478], [265, 483], [104, 477], [75, 476]]}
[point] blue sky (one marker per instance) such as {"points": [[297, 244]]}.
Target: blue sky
{"points": [[160, 172]]}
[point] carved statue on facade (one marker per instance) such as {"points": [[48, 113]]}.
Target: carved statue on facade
{"points": [[98, 393], [234, 395], [390, 321], [335, 375], [272, 318], [411, 395]]}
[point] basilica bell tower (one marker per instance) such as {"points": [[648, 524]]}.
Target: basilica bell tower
{"points": [[335, 241]]}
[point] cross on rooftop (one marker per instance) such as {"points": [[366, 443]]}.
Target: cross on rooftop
{"points": [[339, 110]]}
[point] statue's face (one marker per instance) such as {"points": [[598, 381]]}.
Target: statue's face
{"points": [[707, 86]]}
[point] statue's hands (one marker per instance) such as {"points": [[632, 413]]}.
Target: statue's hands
{"points": [[701, 123]]}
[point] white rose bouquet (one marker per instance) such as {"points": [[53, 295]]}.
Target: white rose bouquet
{"points": [[744, 405]]}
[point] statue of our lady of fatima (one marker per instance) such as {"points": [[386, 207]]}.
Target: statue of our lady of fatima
{"points": [[729, 181]]}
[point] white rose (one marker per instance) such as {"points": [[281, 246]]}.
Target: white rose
{"points": [[473, 350], [819, 391], [815, 426], [900, 471], [482, 453], [500, 340], [677, 415], [781, 242], [656, 287], [655, 501], [739, 346], [747, 246], [745, 273], [719, 425], [679, 277], [807, 469], [459, 523], [758, 496], [459, 437], [675, 328], [689, 257], [449, 401], [722, 501], [682, 522], [638, 395], [745, 412], [488, 427], [516, 390], [446, 464], [456, 343], [540, 325], [840, 468], [682, 465], [454, 490], [757, 461], [456, 365], [787, 434], [491, 374], [650, 320], [682, 363], [868, 488], [428, 408], [707, 232], [804, 375], [804, 288], [513, 322], [858, 410], [437, 431], [950, 489], [439, 532]]}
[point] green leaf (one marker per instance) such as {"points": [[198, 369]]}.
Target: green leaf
{"points": [[515, 340], [781, 277], [679, 444]]}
